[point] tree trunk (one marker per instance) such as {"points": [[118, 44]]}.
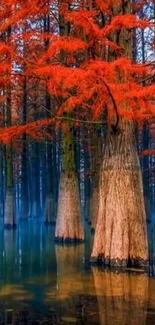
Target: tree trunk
{"points": [[24, 156], [68, 224], [50, 209], [87, 184], [9, 206], [96, 166], [121, 235], [51, 190]]}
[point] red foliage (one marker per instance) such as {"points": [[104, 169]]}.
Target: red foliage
{"points": [[80, 77]]}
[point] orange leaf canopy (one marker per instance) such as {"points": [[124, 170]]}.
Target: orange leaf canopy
{"points": [[76, 64]]}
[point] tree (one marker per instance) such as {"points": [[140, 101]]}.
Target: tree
{"points": [[105, 81], [9, 208]]}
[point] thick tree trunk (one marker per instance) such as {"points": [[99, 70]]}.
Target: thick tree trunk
{"points": [[121, 235], [69, 220], [69, 226]]}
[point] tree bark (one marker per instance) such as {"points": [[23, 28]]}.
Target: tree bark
{"points": [[9, 205], [96, 166], [121, 235], [24, 166], [69, 224], [50, 209]]}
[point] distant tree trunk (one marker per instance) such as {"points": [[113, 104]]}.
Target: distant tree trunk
{"points": [[2, 180], [121, 235], [87, 184], [50, 202], [2, 167], [51, 190], [36, 208], [9, 206], [69, 224], [36, 204], [51, 196], [24, 164], [96, 165]]}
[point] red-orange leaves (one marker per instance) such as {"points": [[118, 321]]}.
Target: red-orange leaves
{"points": [[5, 49], [126, 21], [107, 6], [84, 19], [148, 152], [69, 45]]}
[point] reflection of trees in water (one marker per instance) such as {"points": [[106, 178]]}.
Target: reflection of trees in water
{"points": [[10, 253], [122, 297], [69, 277], [69, 262]]}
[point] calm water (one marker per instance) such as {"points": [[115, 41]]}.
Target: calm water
{"points": [[42, 283]]}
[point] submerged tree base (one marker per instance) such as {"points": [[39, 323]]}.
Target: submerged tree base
{"points": [[50, 223], [61, 240], [50, 210], [120, 263], [9, 210], [121, 233], [7, 226], [92, 230]]}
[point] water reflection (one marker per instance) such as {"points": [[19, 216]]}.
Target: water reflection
{"points": [[38, 275], [69, 277], [122, 297]]}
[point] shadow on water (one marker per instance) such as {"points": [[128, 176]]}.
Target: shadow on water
{"points": [[44, 283]]}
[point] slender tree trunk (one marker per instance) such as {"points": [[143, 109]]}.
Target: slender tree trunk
{"points": [[96, 165], [51, 194], [24, 182], [69, 224], [87, 184], [50, 202], [36, 208], [9, 205], [121, 235]]}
